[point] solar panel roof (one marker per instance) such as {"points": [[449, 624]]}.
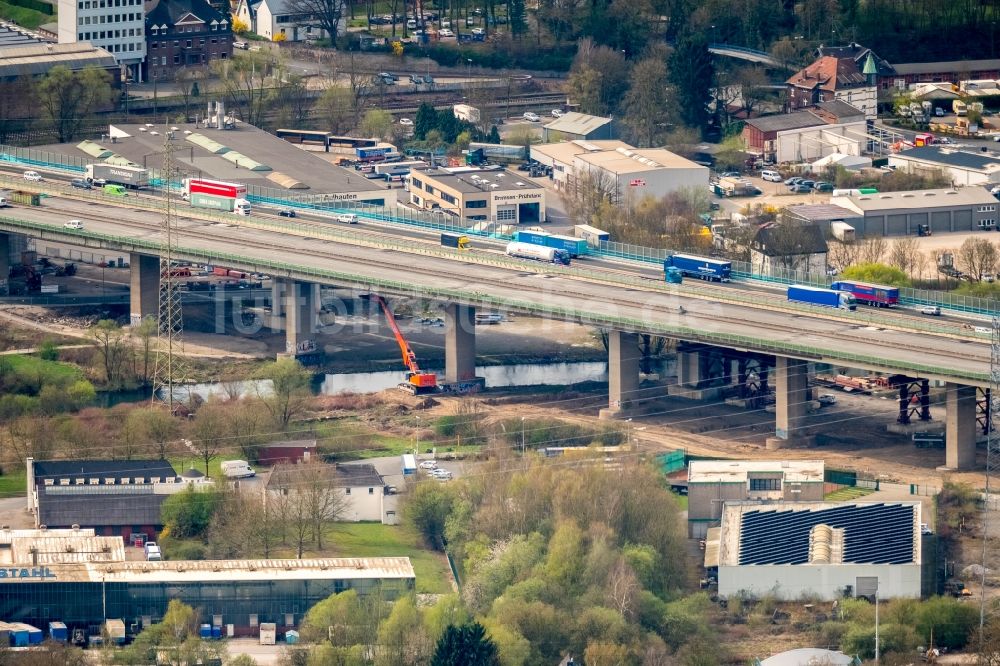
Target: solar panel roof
{"points": [[873, 534]]}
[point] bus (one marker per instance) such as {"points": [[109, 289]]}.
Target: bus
{"points": [[592, 235]]}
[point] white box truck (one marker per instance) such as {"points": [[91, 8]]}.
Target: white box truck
{"points": [[268, 633], [237, 469], [842, 231]]}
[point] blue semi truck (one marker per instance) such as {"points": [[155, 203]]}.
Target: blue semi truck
{"points": [[704, 268], [574, 246], [830, 298]]}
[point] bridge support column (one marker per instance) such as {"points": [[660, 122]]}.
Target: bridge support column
{"points": [[460, 344], [689, 369], [791, 387], [623, 373], [144, 287], [278, 288], [960, 427], [4, 263], [300, 307]]}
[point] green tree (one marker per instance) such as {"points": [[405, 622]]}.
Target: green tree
{"points": [[68, 99], [425, 121], [878, 273], [949, 621], [188, 513], [146, 333], [427, 508], [376, 123], [467, 645], [336, 107], [692, 76], [598, 79], [48, 350], [401, 636], [109, 339], [289, 391], [494, 135], [180, 622]]}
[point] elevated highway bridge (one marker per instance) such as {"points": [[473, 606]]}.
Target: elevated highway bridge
{"points": [[705, 317]]}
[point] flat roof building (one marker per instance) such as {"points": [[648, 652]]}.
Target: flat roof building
{"points": [[82, 592], [711, 483], [962, 167], [825, 550], [270, 167], [625, 171], [495, 196], [575, 126], [901, 213], [823, 129]]}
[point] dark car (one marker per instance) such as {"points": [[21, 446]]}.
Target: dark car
{"points": [[730, 174], [82, 184], [525, 167], [428, 79], [799, 189], [807, 183], [823, 187], [287, 212], [416, 79], [794, 180]]}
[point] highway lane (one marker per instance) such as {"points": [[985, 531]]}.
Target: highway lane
{"points": [[653, 308]]}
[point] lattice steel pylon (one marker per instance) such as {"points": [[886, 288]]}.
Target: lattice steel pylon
{"points": [[992, 463], [169, 369]]}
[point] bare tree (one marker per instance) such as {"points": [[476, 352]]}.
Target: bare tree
{"points": [[109, 339], [307, 497], [587, 193], [841, 254], [904, 254], [977, 258], [872, 249], [327, 14]]}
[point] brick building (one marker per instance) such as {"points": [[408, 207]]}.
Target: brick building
{"points": [[184, 33], [835, 78]]}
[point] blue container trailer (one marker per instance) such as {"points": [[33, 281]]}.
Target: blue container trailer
{"points": [[704, 268], [573, 246], [830, 298]]}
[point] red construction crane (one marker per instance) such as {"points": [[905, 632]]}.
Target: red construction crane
{"points": [[417, 381]]}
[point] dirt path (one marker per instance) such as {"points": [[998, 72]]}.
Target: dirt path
{"points": [[196, 345], [863, 446]]}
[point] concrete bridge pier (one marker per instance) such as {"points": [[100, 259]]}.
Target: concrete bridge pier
{"points": [[624, 356], [277, 304], [300, 307], [960, 427], [791, 391], [703, 372], [144, 287], [460, 348]]}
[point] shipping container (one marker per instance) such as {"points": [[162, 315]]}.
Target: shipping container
{"points": [[217, 188], [409, 464], [592, 235], [133, 177], [876, 295], [58, 631], [458, 241], [704, 268], [829, 298], [573, 246], [842, 231], [211, 202]]}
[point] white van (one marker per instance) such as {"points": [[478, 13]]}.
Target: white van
{"points": [[772, 176], [237, 469], [346, 218], [846, 193], [4, 203]]}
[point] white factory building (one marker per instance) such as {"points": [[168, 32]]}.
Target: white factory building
{"points": [[632, 173], [825, 550]]}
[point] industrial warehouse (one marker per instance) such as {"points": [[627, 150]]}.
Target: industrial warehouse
{"points": [[226, 149], [501, 196], [82, 580]]}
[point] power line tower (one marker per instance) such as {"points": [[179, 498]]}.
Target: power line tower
{"points": [[992, 466], [169, 370]]}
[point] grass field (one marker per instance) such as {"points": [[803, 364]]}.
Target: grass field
{"points": [[47, 371], [14, 483], [847, 494], [29, 18], [181, 463], [377, 540]]}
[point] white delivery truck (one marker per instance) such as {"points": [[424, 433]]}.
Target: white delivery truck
{"points": [[237, 469]]}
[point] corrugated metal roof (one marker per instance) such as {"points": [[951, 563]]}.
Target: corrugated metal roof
{"points": [[393, 568], [577, 123], [286, 181], [66, 550], [36, 59], [964, 196], [94, 150], [947, 67], [786, 121], [949, 156]]}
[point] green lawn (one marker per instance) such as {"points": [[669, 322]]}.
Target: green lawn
{"points": [[682, 501], [182, 463], [49, 372], [847, 494], [14, 482], [29, 18], [377, 540]]}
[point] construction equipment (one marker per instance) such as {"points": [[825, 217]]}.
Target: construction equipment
{"points": [[417, 381]]}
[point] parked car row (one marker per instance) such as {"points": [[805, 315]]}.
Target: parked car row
{"points": [[389, 79], [435, 472], [801, 185]]}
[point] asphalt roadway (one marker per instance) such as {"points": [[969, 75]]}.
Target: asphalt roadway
{"points": [[649, 304]]}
